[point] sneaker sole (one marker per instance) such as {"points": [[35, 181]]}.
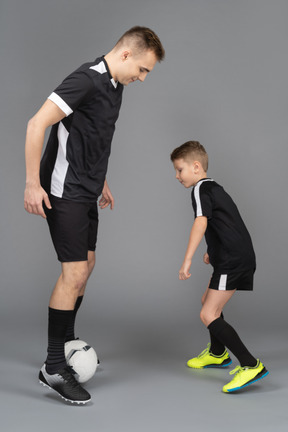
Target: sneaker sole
{"points": [[226, 363], [44, 384], [261, 375], [222, 365]]}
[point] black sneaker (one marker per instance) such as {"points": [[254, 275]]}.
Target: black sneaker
{"points": [[64, 383]]}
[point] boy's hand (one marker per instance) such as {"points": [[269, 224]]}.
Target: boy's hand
{"points": [[184, 270], [206, 258]]}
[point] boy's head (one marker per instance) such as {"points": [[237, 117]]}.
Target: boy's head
{"points": [[135, 55], [190, 161]]}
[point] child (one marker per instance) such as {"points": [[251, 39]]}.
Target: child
{"points": [[230, 252]]}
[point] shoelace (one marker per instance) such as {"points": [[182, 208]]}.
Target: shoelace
{"points": [[205, 351], [237, 370], [67, 374]]}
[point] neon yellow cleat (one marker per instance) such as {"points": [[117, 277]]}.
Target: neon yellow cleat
{"points": [[245, 376], [208, 360]]}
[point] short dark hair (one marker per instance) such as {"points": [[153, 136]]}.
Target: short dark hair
{"points": [[191, 150], [144, 39]]}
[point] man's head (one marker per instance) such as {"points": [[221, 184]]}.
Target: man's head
{"points": [[190, 161], [135, 55]]}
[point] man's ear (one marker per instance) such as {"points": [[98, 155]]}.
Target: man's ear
{"points": [[125, 55]]}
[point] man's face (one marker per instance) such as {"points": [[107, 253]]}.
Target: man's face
{"points": [[135, 67], [186, 172]]}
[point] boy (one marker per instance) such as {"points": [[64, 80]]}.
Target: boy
{"points": [[230, 252], [65, 187]]}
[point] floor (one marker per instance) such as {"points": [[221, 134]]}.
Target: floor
{"points": [[142, 384]]}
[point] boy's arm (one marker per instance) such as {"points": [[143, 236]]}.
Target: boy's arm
{"points": [[34, 194], [196, 235]]}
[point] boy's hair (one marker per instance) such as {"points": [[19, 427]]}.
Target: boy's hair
{"points": [[191, 150], [143, 38]]}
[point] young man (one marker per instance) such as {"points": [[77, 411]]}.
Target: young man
{"points": [[230, 252], [65, 185]]}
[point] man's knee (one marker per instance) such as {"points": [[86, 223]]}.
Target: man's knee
{"points": [[75, 275]]}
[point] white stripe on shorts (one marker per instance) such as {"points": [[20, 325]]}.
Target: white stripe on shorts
{"points": [[222, 282]]}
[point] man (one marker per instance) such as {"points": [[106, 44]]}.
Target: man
{"points": [[65, 185]]}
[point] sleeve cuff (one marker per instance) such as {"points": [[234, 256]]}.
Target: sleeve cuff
{"points": [[60, 103]]}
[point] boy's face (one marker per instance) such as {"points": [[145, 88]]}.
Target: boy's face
{"points": [[135, 67], [188, 172]]}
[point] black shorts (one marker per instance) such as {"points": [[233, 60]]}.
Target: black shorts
{"points": [[73, 228], [242, 281]]}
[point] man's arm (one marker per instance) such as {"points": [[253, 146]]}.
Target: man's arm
{"points": [[34, 194], [106, 198], [196, 235]]}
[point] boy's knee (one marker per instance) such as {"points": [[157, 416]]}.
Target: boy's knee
{"points": [[203, 316], [206, 317]]}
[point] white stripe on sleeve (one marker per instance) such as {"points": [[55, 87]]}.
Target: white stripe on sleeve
{"points": [[60, 103]]}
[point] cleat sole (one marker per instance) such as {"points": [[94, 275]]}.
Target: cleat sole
{"points": [[261, 375], [67, 400]]}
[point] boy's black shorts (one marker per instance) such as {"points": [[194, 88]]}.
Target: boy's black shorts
{"points": [[73, 228], [242, 281]]}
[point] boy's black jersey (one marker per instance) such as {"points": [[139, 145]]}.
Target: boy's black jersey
{"points": [[75, 160], [229, 244]]}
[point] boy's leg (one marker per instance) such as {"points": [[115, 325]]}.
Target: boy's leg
{"points": [[218, 356], [216, 347], [224, 332]]}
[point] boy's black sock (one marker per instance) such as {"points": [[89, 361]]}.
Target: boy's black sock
{"points": [[58, 321], [216, 348], [226, 334], [70, 335]]}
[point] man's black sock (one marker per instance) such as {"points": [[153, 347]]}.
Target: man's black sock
{"points": [[58, 321], [226, 334], [70, 335], [216, 348]]}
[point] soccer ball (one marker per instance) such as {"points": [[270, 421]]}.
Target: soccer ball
{"points": [[83, 358]]}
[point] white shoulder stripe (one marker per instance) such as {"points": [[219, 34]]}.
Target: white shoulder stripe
{"points": [[199, 211], [100, 67], [60, 103]]}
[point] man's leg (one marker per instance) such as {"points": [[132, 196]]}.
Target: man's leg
{"points": [[61, 310], [54, 373], [70, 334]]}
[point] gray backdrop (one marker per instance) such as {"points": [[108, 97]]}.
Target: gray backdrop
{"points": [[224, 83]]}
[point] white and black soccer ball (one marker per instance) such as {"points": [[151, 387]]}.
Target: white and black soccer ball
{"points": [[83, 358]]}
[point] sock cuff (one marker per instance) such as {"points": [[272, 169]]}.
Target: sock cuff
{"points": [[216, 326], [59, 316]]}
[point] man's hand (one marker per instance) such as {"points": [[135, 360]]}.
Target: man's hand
{"points": [[206, 258], [106, 198], [184, 272], [33, 200]]}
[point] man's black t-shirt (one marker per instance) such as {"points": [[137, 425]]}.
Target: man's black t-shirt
{"points": [[75, 160], [229, 244]]}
